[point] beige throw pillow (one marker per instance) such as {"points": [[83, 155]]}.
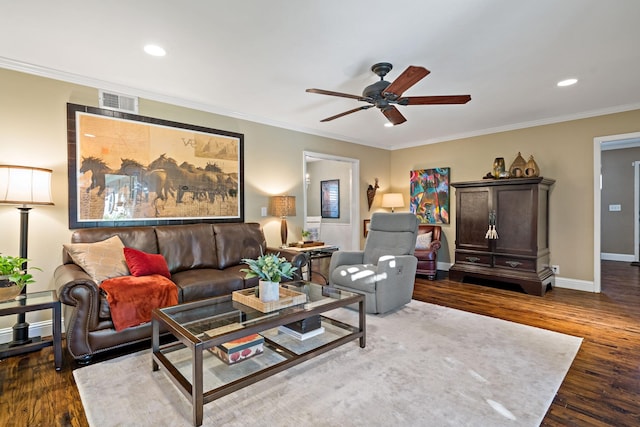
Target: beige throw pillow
{"points": [[101, 260], [424, 240]]}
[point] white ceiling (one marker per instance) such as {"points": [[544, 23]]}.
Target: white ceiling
{"points": [[254, 59]]}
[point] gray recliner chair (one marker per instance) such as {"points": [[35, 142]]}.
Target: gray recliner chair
{"points": [[385, 270]]}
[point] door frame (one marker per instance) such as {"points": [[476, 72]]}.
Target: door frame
{"points": [[354, 191], [598, 143]]}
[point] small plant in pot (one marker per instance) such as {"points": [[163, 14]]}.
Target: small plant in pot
{"points": [[269, 269], [12, 277]]}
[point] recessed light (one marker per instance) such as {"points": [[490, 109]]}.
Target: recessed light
{"points": [[154, 50], [567, 82], [388, 125]]}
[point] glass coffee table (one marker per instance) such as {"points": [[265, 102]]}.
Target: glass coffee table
{"points": [[198, 367]]}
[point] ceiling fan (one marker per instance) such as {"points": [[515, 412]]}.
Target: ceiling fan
{"points": [[383, 94]]}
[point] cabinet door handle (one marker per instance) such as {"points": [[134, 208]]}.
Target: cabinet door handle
{"points": [[513, 264], [473, 259]]}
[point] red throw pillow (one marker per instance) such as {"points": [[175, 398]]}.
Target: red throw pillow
{"points": [[144, 264]]}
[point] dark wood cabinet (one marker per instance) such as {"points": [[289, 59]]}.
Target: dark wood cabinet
{"points": [[519, 210]]}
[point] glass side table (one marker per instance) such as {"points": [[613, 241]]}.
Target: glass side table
{"points": [[33, 302]]}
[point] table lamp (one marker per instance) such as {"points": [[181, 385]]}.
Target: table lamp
{"points": [[24, 186], [283, 206], [392, 200]]}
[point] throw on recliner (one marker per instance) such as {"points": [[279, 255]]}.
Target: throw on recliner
{"points": [[385, 270]]}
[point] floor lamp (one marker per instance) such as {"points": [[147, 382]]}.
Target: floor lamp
{"points": [[283, 206], [392, 200], [24, 186]]}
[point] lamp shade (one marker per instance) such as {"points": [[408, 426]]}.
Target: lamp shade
{"points": [[282, 206], [24, 185], [392, 200]]}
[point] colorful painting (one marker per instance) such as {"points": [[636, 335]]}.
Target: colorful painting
{"points": [[429, 193]]}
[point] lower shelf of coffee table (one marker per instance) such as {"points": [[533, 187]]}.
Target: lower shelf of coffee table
{"points": [[279, 348]]}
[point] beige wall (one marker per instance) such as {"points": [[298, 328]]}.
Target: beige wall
{"points": [[617, 189], [33, 132], [563, 151]]}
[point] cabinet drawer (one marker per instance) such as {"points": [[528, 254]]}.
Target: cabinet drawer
{"points": [[473, 258], [514, 263]]}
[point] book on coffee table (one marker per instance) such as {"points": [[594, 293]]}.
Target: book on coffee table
{"points": [[241, 349], [301, 335]]}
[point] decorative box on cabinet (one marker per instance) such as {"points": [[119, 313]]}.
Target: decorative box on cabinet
{"points": [[519, 208]]}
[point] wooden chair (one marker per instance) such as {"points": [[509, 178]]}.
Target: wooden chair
{"points": [[427, 250]]}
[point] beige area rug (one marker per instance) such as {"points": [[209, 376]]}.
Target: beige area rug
{"points": [[424, 365]]}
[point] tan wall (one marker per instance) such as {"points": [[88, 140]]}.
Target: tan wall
{"points": [[33, 132], [617, 189], [563, 151]]}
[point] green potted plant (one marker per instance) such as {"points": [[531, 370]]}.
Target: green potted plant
{"points": [[269, 269], [306, 235], [12, 277]]}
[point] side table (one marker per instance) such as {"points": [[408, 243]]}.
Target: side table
{"points": [[33, 302], [322, 255]]}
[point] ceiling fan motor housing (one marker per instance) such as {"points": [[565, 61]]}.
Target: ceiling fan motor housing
{"points": [[374, 91]]}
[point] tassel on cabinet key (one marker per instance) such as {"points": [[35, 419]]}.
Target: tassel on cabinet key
{"points": [[491, 232]]}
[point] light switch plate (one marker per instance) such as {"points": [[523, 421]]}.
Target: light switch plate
{"points": [[263, 211]]}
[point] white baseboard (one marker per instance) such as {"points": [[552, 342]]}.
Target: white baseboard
{"points": [[36, 329], [617, 257], [444, 266], [575, 284]]}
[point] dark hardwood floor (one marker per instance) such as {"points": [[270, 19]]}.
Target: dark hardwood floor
{"points": [[602, 388]]}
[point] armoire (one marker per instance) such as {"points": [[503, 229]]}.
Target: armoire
{"points": [[502, 232]]}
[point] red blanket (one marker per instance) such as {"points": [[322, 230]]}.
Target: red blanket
{"points": [[131, 299]]}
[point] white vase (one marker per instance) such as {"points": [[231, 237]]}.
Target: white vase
{"points": [[269, 291]]}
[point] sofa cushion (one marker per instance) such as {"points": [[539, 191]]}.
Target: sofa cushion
{"points": [[143, 264], [141, 238], [101, 260], [237, 241], [186, 247], [206, 283]]}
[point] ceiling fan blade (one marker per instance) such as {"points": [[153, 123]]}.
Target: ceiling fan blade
{"points": [[393, 115], [343, 95], [430, 100], [408, 78], [364, 107]]}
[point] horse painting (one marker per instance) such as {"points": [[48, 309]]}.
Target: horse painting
{"points": [[187, 179], [150, 181], [98, 169]]}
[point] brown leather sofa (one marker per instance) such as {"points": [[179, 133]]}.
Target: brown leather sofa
{"points": [[428, 257], [204, 261]]}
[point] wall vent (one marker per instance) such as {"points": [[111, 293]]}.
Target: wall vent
{"points": [[118, 102]]}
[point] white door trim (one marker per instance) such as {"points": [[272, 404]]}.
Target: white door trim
{"points": [[597, 184], [354, 187]]}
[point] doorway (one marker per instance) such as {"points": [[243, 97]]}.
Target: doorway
{"points": [[342, 231], [608, 142]]}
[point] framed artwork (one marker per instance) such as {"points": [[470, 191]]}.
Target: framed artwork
{"points": [[429, 195], [330, 198], [365, 226], [126, 169]]}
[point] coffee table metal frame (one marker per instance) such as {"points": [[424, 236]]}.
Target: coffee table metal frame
{"points": [[163, 321]]}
